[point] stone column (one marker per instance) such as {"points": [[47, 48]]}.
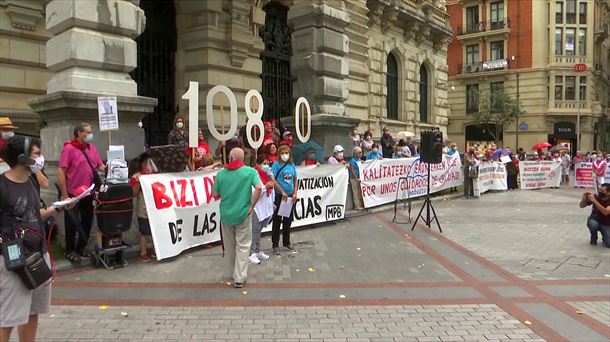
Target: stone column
{"points": [[320, 67], [91, 54]]}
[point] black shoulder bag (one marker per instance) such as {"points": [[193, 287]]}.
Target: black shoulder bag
{"points": [[97, 180]]}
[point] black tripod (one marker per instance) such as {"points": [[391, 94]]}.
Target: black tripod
{"points": [[428, 205]]}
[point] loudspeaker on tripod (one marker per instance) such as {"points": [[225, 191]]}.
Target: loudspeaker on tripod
{"points": [[431, 149]]}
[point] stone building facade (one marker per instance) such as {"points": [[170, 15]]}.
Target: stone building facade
{"points": [[58, 56], [530, 49]]}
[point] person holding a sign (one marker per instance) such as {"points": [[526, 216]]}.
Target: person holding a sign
{"points": [[77, 170], [599, 220], [286, 184], [337, 157], [233, 187], [599, 170]]}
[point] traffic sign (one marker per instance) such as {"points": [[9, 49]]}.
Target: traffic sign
{"points": [[580, 67]]}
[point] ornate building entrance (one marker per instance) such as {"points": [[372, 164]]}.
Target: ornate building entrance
{"points": [[276, 75], [156, 65]]}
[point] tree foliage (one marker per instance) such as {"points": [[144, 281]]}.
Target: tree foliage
{"points": [[496, 110]]}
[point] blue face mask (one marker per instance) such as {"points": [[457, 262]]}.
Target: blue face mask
{"points": [[265, 168], [312, 156]]}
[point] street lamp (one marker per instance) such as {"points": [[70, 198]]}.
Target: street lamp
{"points": [[517, 117]]}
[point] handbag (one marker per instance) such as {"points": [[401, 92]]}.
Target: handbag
{"points": [[97, 180], [35, 272], [473, 171]]}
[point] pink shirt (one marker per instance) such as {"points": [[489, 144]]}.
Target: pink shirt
{"points": [[78, 169]]}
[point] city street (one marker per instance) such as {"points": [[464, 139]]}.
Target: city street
{"points": [[510, 266]]}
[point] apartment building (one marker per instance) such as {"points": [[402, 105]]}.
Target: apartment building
{"points": [[551, 55]]}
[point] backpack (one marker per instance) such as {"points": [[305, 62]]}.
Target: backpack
{"points": [[117, 171]]}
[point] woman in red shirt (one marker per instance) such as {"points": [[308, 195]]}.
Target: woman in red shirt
{"points": [[310, 158]]}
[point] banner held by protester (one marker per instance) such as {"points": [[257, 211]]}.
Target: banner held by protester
{"points": [[539, 174], [183, 214], [492, 176]]}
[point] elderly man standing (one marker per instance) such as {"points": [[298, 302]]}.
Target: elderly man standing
{"points": [[233, 186], [78, 164]]}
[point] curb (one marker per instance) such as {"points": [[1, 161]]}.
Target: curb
{"points": [[133, 252]]}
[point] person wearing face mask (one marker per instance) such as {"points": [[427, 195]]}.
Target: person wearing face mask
{"points": [[310, 158], [398, 153], [374, 154], [147, 166], [367, 143], [286, 184], [599, 169], [7, 131], [470, 172], [263, 210], [356, 141], [452, 149], [286, 139], [20, 208], [337, 157], [178, 135], [599, 220], [77, 164], [354, 178], [387, 143]]}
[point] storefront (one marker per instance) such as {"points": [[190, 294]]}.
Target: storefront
{"points": [[480, 134], [564, 133]]}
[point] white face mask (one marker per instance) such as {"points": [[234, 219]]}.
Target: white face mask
{"points": [[265, 167], [340, 155], [7, 134], [285, 157], [89, 137], [140, 124], [375, 149], [179, 125], [38, 164]]}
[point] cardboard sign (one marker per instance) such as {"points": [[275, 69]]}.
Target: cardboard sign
{"points": [[108, 113]]}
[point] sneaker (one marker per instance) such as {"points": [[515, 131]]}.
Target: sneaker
{"points": [[145, 258], [238, 285], [262, 256], [291, 248], [253, 259], [276, 251]]}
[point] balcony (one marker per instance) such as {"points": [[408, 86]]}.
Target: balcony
{"points": [[568, 59], [568, 104], [487, 66], [484, 29], [601, 31]]}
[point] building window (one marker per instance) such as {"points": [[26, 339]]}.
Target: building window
{"points": [[582, 13], [571, 11], [559, 12], [558, 88], [423, 94], [558, 41], [472, 98], [497, 14], [472, 19], [582, 90], [472, 54], [497, 50], [570, 40], [582, 41], [496, 88], [392, 84], [570, 88]]}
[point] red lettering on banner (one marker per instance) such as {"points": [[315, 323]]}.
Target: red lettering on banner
{"points": [[176, 198], [194, 193], [183, 187], [162, 200], [209, 186]]}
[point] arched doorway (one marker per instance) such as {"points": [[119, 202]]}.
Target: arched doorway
{"points": [[392, 84], [156, 66], [276, 75], [423, 94]]}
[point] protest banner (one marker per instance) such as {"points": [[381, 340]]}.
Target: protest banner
{"points": [[183, 214], [583, 175], [539, 174], [492, 176], [379, 178]]}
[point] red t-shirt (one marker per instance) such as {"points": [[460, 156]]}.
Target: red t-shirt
{"points": [[309, 162]]}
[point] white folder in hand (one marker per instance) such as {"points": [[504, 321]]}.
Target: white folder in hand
{"points": [[285, 208]]}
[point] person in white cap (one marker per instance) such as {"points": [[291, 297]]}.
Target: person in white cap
{"points": [[8, 131], [337, 157]]}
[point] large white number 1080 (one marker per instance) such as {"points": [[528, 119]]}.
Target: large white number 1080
{"points": [[255, 118]]}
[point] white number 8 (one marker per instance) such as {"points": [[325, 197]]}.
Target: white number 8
{"points": [[255, 119]]}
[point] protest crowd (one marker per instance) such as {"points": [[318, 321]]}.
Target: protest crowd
{"points": [[255, 187]]}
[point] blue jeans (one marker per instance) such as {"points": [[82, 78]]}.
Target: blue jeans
{"points": [[595, 226]]}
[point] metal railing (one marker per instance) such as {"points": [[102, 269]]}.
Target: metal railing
{"points": [[568, 104], [484, 26]]}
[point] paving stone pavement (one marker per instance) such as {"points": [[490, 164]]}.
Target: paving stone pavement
{"points": [[511, 266], [348, 323]]}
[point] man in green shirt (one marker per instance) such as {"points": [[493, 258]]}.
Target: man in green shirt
{"points": [[233, 186]]}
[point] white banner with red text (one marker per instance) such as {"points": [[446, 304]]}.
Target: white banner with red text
{"points": [[183, 214], [539, 174], [379, 178], [583, 175], [492, 176]]}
